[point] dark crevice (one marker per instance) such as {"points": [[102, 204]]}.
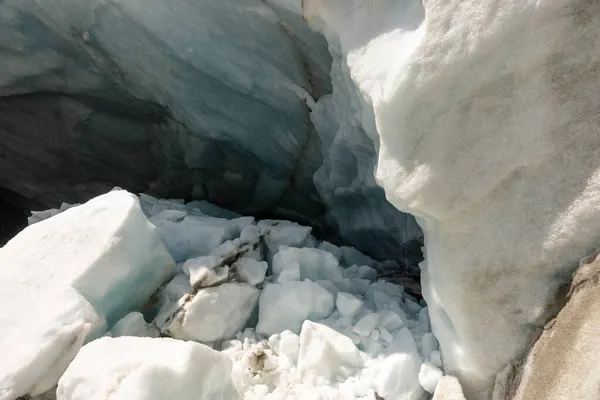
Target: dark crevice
{"points": [[13, 219]]}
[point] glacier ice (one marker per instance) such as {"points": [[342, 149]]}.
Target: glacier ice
{"points": [[204, 100], [487, 129], [66, 279]]}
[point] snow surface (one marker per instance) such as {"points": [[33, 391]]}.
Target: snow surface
{"points": [[65, 279], [488, 131], [331, 330]]}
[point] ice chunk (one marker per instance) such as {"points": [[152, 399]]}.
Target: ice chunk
{"points": [[206, 271], [328, 285], [386, 335], [424, 317], [147, 369], [345, 285], [428, 344], [133, 324], [331, 248], [366, 272], [251, 233], [326, 353], [194, 236], [289, 346], [366, 324], [212, 210], [436, 358], [429, 376], [285, 306], [153, 206], [178, 287], [362, 272], [284, 233], [37, 216], [220, 265], [348, 305], [396, 376], [308, 263], [362, 285], [351, 256], [70, 276], [250, 271], [381, 294], [211, 314]]}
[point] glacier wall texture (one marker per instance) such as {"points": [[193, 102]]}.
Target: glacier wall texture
{"points": [[193, 99], [487, 115]]}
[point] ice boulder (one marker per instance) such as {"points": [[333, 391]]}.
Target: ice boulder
{"points": [[402, 359], [293, 264], [128, 368], [189, 235], [249, 270], [67, 278], [210, 314], [285, 306], [325, 353], [489, 133], [347, 304]]}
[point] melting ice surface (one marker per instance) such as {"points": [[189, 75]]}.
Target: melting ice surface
{"points": [[279, 313]]}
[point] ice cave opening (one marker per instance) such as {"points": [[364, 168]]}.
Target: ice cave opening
{"points": [[250, 220], [237, 184]]}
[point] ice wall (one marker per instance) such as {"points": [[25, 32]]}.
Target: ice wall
{"points": [[489, 134], [190, 99]]}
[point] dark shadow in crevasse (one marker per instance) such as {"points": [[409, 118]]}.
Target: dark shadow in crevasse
{"points": [[12, 218]]}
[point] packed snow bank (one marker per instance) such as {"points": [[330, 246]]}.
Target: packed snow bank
{"points": [[65, 279], [130, 368], [489, 133]]}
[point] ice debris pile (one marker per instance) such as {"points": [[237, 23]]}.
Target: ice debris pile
{"points": [[263, 310]]}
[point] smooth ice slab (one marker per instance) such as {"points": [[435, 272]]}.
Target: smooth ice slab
{"points": [[190, 235], [70, 276], [285, 306], [293, 264], [129, 368]]}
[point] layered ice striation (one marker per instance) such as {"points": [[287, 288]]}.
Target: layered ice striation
{"points": [[211, 100]]}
